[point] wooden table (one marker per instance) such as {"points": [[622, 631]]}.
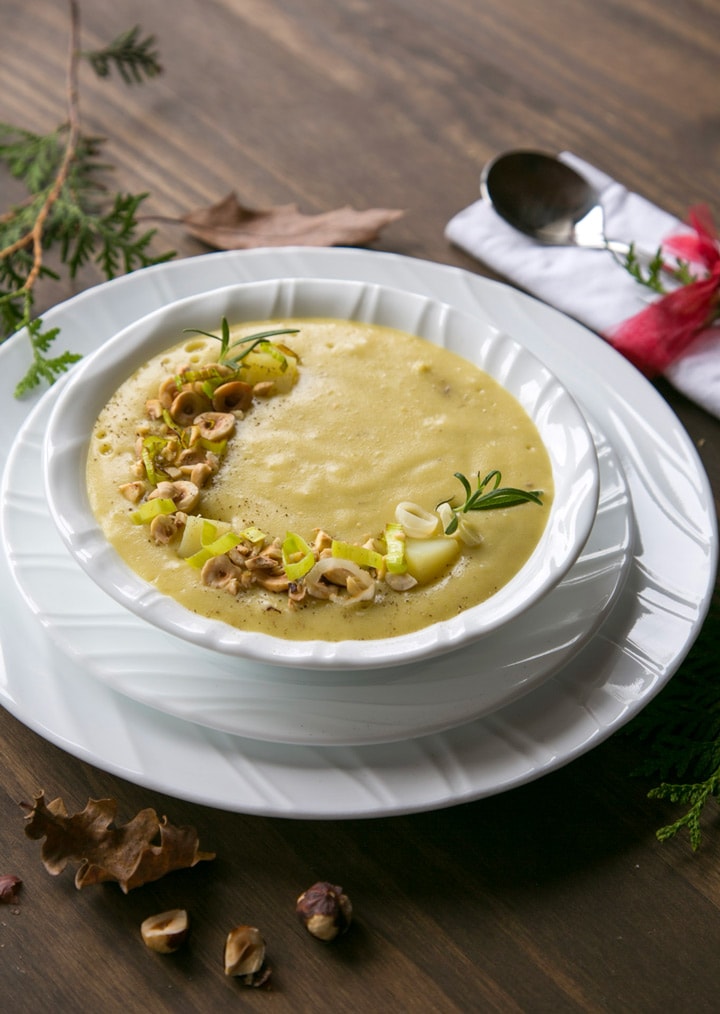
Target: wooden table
{"points": [[556, 896]]}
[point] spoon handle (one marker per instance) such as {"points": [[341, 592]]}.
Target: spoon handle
{"points": [[619, 248]]}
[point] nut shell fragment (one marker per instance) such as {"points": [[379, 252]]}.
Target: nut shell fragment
{"points": [[234, 396], [187, 405], [215, 425], [324, 910], [166, 932], [245, 955], [9, 887], [183, 493]]}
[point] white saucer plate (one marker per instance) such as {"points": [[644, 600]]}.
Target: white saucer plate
{"points": [[651, 627], [340, 707]]}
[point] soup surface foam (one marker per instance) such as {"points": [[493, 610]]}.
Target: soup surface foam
{"points": [[375, 417]]}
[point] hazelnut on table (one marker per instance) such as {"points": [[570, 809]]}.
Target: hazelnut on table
{"points": [[324, 910]]}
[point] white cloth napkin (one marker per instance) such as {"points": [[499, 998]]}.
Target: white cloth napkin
{"points": [[589, 285]]}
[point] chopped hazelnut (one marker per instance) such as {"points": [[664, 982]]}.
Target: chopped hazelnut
{"points": [[324, 910], [166, 932], [245, 955]]}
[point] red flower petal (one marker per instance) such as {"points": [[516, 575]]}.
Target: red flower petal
{"points": [[659, 334], [702, 248]]}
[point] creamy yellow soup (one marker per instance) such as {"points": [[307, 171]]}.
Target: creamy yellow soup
{"points": [[370, 417]]}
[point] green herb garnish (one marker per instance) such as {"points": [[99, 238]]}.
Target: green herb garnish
{"points": [[654, 273], [252, 341], [483, 499]]}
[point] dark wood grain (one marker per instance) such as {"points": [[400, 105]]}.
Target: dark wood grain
{"points": [[555, 897]]}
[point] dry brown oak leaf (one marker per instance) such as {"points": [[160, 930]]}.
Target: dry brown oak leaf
{"points": [[144, 849], [228, 225]]}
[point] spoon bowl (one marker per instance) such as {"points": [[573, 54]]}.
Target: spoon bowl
{"points": [[547, 200]]}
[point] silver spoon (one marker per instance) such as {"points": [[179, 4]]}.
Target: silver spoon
{"points": [[544, 198]]}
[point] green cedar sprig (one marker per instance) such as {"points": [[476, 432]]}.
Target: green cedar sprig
{"points": [[680, 735], [693, 795], [134, 57], [43, 367], [68, 209]]}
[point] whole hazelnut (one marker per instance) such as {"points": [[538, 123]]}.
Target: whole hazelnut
{"points": [[166, 932], [324, 910], [245, 955]]}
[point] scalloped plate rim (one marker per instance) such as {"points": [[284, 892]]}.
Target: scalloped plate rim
{"points": [[567, 716], [553, 408]]}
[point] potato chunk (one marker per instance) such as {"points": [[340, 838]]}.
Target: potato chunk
{"points": [[429, 558]]}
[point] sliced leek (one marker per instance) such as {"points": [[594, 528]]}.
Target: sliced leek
{"points": [[395, 548], [151, 449], [215, 446], [415, 520], [360, 555], [218, 547], [298, 558], [253, 535], [151, 509]]}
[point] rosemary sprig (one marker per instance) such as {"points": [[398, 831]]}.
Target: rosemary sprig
{"points": [[484, 499], [251, 341]]}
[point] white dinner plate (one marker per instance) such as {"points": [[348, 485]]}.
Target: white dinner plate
{"points": [[251, 698], [638, 648]]}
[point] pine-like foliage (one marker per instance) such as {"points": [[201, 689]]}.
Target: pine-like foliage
{"points": [[67, 208], [680, 733]]}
